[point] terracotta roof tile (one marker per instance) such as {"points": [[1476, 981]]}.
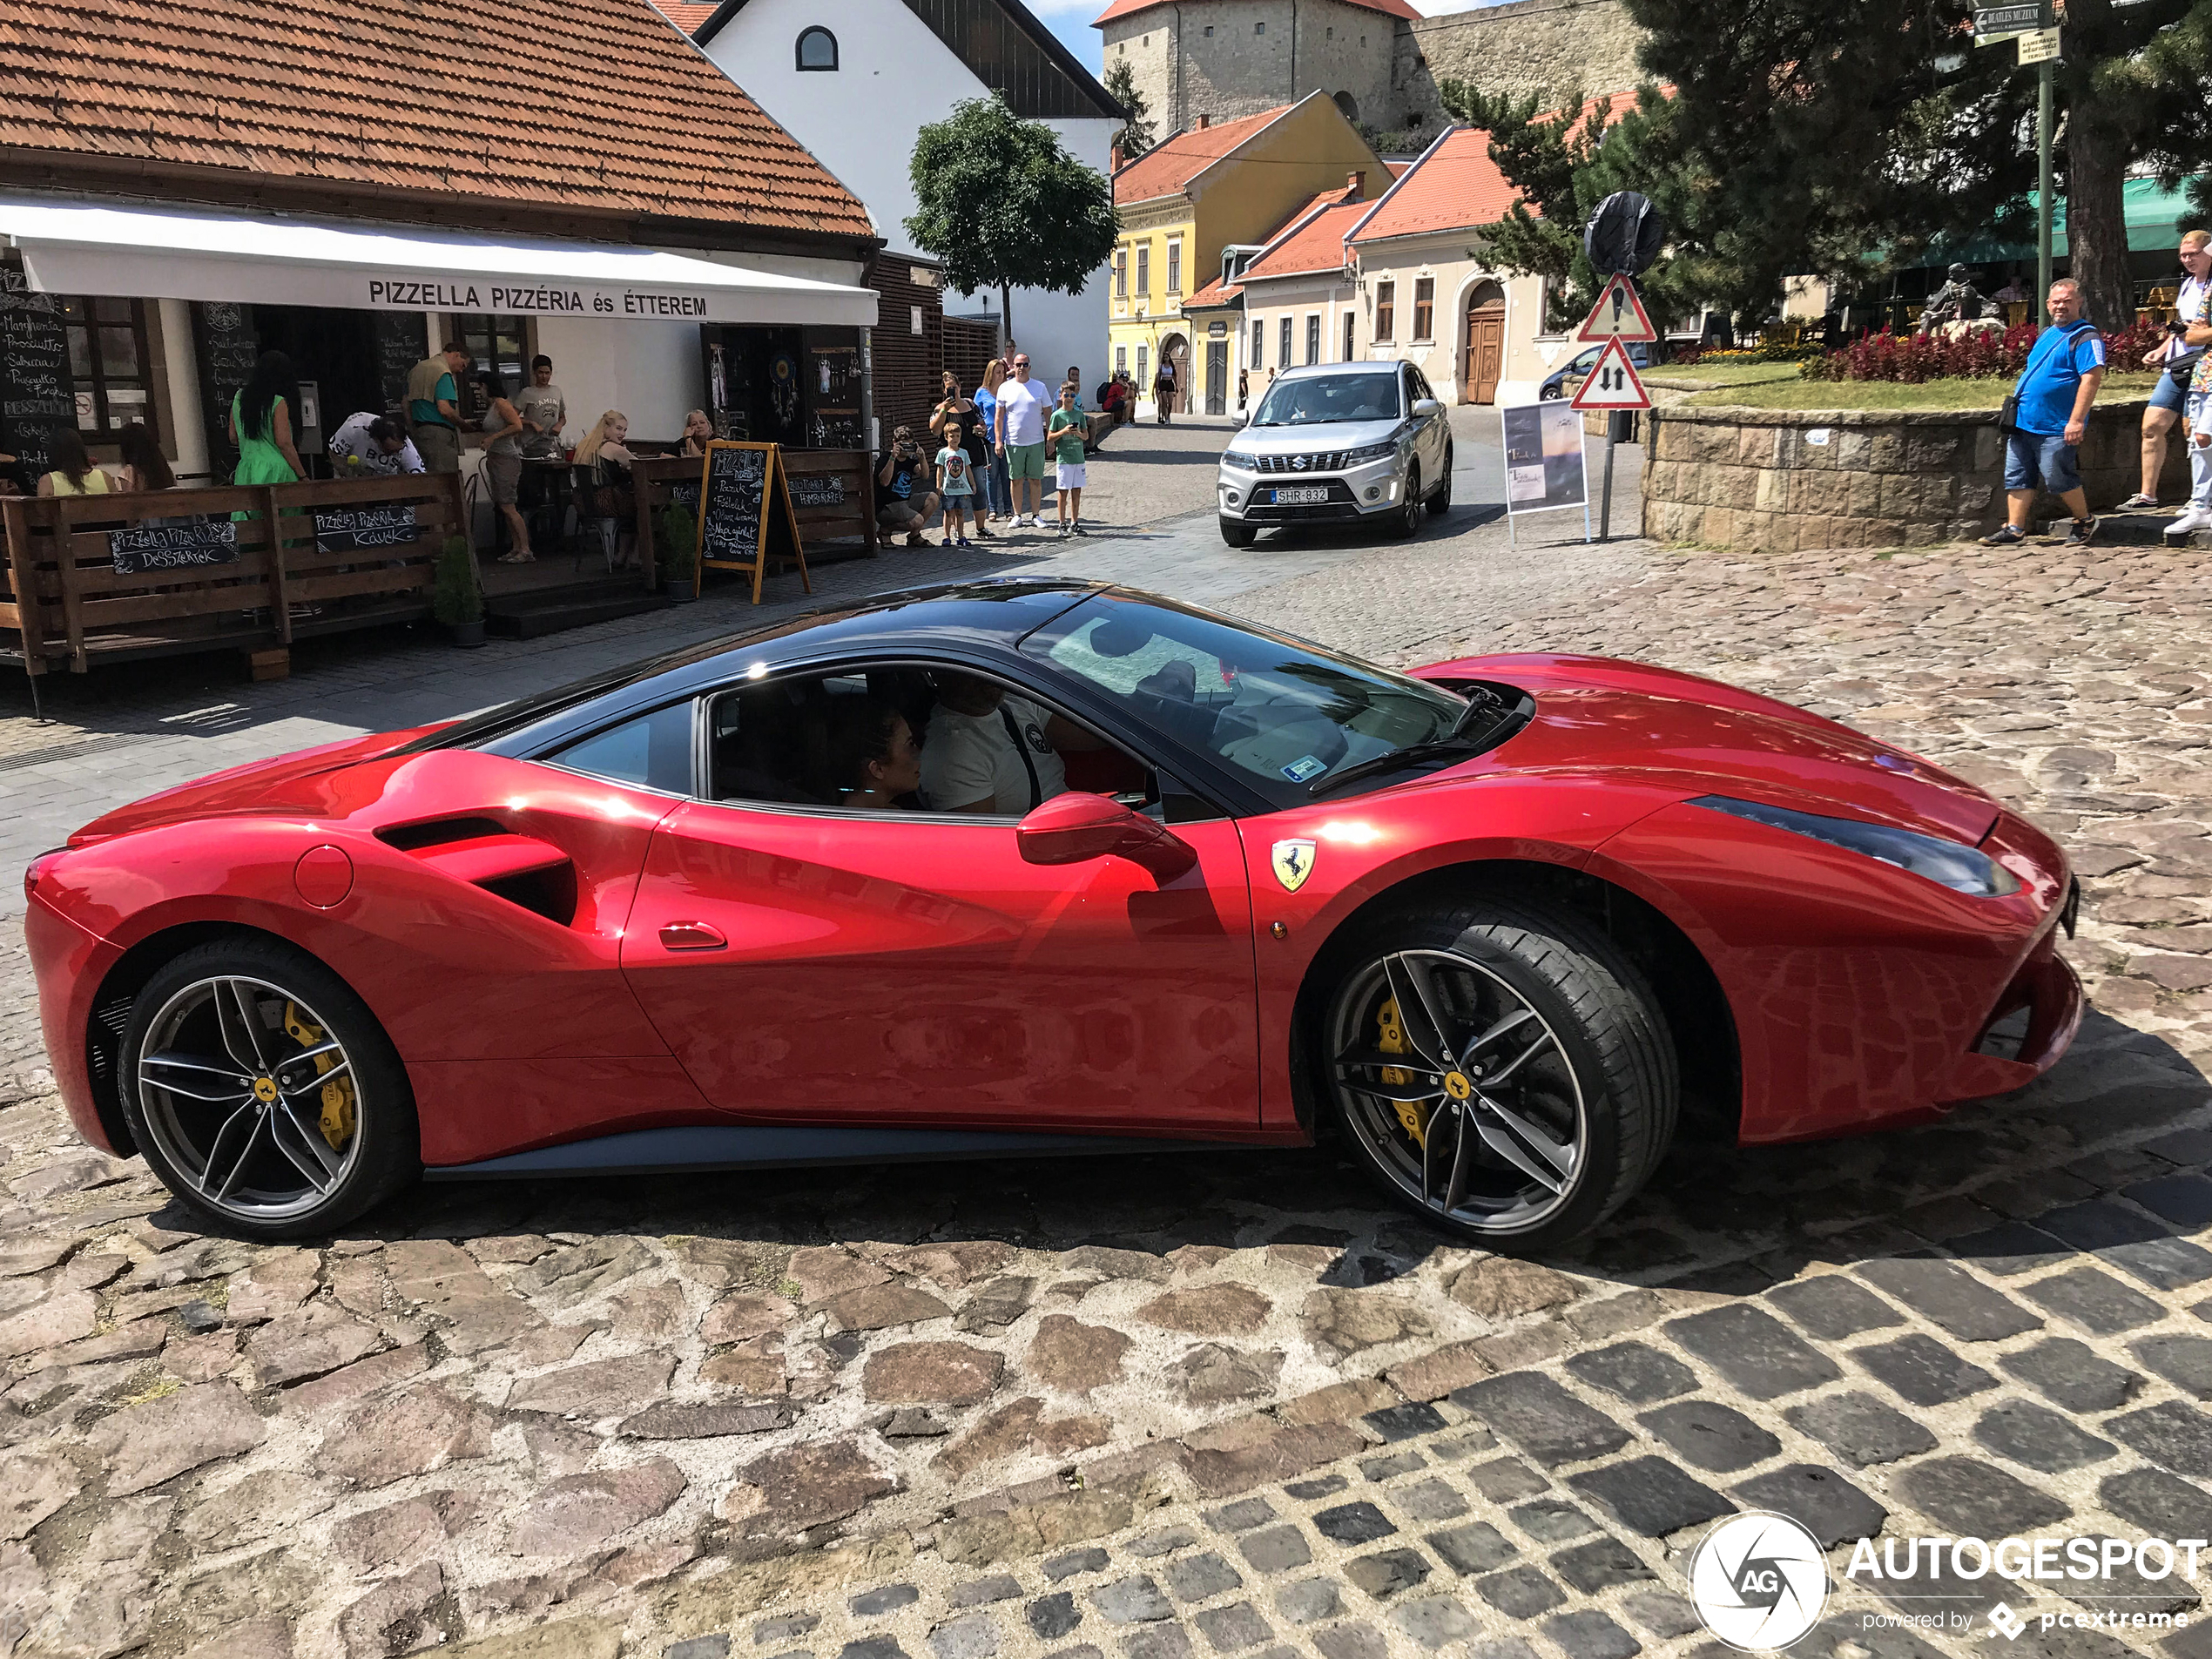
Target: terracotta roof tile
{"points": [[1174, 162], [1130, 7], [587, 107], [687, 15], [1456, 183], [1315, 244]]}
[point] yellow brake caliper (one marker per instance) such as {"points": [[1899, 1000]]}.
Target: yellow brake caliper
{"points": [[1392, 1040], [337, 1123]]}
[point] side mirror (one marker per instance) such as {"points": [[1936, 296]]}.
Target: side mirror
{"points": [[1076, 828], [1243, 417], [1424, 406]]}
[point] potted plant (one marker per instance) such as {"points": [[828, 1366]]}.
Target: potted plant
{"points": [[678, 534], [457, 601]]}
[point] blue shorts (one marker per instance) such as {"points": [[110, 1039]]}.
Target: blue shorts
{"points": [[2032, 458], [2167, 393]]}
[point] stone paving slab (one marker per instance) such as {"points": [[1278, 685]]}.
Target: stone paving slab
{"points": [[1172, 1406]]}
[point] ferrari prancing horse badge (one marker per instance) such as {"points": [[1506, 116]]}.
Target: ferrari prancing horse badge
{"points": [[1293, 862]]}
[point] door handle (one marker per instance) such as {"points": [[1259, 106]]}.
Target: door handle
{"points": [[691, 935]]}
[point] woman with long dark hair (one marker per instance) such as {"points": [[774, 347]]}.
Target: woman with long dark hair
{"points": [[74, 473], [144, 468], [261, 424]]}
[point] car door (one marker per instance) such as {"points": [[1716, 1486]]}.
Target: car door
{"points": [[1431, 441], [808, 963]]}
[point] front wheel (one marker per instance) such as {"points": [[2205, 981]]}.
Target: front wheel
{"points": [[1405, 523], [1504, 1071], [1239, 534], [264, 1093]]}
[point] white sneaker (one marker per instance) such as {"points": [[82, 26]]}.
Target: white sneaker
{"points": [[2192, 518]]}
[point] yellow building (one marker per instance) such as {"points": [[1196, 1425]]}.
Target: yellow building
{"points": [[1215, 188]]}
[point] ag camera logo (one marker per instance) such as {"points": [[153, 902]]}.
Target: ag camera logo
{"points": [[1759, 1581]]}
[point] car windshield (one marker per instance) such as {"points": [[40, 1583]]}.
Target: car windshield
{"points": [[1282, 714], [1313, 400]]}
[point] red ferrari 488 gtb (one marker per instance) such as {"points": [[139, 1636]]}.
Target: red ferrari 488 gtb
{"points": [[1038, 867]]}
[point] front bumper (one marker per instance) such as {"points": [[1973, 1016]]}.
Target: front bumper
{"points": [[1365, 491]]}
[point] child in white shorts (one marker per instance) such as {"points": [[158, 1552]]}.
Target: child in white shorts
{"points": [[1065, 434]]}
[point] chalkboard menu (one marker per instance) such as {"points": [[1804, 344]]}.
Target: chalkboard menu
{"points": [[225, 343], [172, 547], [36, 394], [348, 530], [746, 515], [402, 343], [735, 488], [817, 489]]}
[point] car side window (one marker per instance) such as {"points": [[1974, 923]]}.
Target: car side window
{"points": [[652, 752], [1410, 383], [861, 740]]}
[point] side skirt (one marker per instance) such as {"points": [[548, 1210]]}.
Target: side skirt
{"points": [[669, 1151]]}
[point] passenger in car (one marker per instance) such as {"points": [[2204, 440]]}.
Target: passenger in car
{"points": [[992, 753], [870, 759]]}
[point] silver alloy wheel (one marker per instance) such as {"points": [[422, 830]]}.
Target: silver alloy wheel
{"points": [[236, 1078], [1503, 1128]]}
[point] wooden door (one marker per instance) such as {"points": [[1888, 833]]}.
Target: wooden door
{"points": [[1486, 351], [1217, 377]]}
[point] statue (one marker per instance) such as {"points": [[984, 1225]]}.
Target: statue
{"points": [[1957, 301]]}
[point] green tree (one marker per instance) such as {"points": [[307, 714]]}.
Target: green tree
{"points": [[1005, 207], [1547, 156], [1135, 136]]}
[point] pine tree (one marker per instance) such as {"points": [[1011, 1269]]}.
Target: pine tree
{"points": [[1135, 136]]}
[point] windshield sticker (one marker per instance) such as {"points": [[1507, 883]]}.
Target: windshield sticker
{"points": [[1304, 767]]}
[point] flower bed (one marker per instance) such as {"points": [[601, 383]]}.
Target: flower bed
{"points": [[1982, 355]]}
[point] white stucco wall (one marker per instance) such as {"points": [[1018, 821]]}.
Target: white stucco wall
{"points": [[894, 78], [650, 371]]}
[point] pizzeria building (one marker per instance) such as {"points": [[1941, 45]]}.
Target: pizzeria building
{"points": [[354, 183]]}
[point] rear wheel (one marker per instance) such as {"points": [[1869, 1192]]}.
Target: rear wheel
{"points": [[264, 1093], [1237, 535], [1504, 1072], [1440, 503]]}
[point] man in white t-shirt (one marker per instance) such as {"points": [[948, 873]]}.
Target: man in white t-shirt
{"points": [[2191, 331], [1024, 404], [369, 444], [991, 753]]}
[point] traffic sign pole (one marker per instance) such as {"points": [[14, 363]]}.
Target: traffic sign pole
{"points": [[2043, 178]]}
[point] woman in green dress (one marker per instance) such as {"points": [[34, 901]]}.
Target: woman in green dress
{"points": [[261, 424]]}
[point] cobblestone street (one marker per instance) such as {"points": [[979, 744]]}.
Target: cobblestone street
{"points": [[1170, 1405]]}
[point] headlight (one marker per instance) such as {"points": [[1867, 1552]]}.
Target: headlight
{"points": [[1243, 462], [1963, 869], [1382, 451]]}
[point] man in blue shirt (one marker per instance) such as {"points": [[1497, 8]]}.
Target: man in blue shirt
{"points": [[2051, 415]]}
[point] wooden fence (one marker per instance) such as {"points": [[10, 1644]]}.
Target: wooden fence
{"points": [[77, 590], [830, 491]]}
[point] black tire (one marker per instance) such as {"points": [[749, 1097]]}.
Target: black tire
{"points": [[1602, 1066], [1237, 535], [1439, 499], [1406, 522], [237, 1149]]}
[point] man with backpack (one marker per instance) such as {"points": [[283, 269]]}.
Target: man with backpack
{"points": [[2049, 416]]}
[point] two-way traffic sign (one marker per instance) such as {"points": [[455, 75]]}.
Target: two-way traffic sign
{"points": [[1618, 314], [1613, 383]]}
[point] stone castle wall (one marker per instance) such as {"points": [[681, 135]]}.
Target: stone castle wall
{"points": [[1264, 53], [1550, 47]]}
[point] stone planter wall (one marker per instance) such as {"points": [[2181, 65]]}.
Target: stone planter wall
{"points": [[1759, 480]]}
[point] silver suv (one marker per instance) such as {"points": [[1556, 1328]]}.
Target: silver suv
{"points": [[1333, 441]]}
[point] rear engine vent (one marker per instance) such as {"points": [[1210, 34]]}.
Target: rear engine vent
{"points": [[550, 892], [412, 838]]}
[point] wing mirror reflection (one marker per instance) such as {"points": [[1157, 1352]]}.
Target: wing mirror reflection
{"points": [[1076, 828]]}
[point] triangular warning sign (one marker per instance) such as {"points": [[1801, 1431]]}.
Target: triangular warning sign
{"points": [[1619, 314], [1613, 383]]}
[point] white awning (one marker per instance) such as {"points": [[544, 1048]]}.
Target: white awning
{"points": [[80, 247]]}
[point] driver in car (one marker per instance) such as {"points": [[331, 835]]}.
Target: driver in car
{"points": [[989, 754]]}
